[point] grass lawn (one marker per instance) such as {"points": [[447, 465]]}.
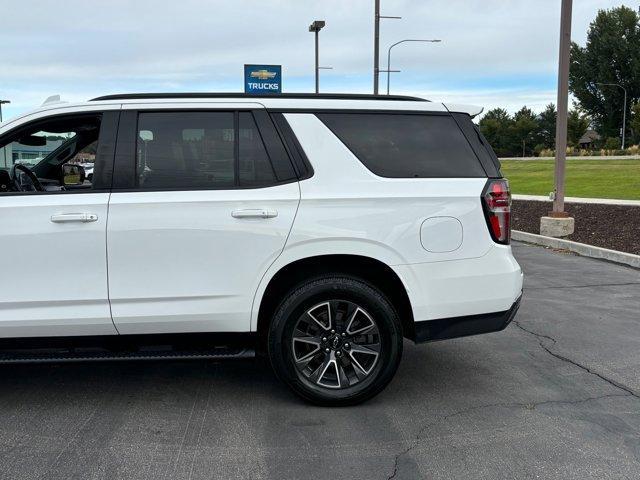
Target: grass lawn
{"points": [[584, 178]]}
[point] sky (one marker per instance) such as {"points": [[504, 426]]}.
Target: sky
{"points": [[494, 53]]}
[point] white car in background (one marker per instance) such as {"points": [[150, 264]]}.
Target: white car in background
{"points": [[321, 230], [88, 171]]}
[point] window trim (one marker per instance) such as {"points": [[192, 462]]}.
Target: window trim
{"points": [[300, 161], [282, 161], [422, 113], [104, 152], [125, 159], [264, 144], [236, 148]]}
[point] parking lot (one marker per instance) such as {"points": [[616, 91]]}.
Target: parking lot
{"points": [[556, 395]]}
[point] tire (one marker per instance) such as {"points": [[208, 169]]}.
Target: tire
{"points": [[335, 340]]}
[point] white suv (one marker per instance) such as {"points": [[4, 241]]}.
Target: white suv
{"points": [[320, 229]]}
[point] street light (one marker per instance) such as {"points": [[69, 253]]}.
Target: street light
{"points": [[315, 27], [624, 112], [4, 149], [2, 102], [389, 55], [558, 223]]}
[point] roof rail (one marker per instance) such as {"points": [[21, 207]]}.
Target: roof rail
{"points": [[323, 96]]}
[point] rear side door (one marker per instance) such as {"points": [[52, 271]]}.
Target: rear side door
{"points": [[204, 198]]}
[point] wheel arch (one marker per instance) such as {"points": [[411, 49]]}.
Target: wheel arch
{"points": [[368, 269]]}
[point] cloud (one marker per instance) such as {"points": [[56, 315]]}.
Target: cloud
{"points": [[494, 52]]}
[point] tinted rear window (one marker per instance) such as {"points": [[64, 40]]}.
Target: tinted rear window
{"points": [[406, 145], [201, 150], [479, 144]]}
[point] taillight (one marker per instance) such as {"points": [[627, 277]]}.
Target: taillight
{"points": [[496, 203]]}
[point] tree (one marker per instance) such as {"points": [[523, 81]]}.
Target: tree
{"points": [[611, 55], [547, 126], [496, 127], [577, 123], [525, 131]]}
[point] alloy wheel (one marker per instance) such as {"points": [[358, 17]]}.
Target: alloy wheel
{"points": [[336, 344]]}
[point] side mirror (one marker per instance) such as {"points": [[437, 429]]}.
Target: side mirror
{"points": [[72, 174]]}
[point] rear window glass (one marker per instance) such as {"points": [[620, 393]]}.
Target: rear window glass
{"points": [[480, 145], [184, 150], [406, 146]]}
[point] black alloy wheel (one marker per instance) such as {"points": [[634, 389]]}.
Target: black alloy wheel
{"points": [[335, 344], [335, 340]]}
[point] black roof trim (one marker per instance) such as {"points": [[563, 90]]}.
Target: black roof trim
{"points": [[321, 96]]}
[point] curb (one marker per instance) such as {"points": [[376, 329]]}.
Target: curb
{"points": [[579, 248], [597, 201], [575, 157]]}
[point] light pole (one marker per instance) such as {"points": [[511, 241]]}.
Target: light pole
{"points": [[558, 223], [376, 45], [4, 149], [2, 102], [624, 112], [315, 27], [398, 43], [563, 106]]}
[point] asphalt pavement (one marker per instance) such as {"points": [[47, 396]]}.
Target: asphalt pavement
{"points": [[555, 395]]}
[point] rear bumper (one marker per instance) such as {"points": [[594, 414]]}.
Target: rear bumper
{"points": [[460, 288], [446, 328]]}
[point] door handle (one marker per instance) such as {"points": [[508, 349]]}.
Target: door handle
{"points": [[74, 217], [254, 213]]}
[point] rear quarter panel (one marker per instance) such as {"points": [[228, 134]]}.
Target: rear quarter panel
{"points": [[345, 201], [346, 209]]}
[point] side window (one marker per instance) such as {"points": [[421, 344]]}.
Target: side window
{"points": [[406, 145], [201, 150], [185, 150], [47, 156], [254, 165]]}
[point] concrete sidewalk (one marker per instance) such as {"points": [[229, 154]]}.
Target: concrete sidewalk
{"points": [[601, 201]]}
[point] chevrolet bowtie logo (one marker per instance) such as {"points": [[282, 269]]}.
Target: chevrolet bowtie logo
{"points": [[263, 74]]}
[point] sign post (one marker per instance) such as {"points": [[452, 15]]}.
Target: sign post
{"points": [[262, 79]]}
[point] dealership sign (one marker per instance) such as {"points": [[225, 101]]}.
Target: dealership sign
{"points": [[262, 78]]}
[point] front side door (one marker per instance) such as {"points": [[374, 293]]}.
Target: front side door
{"points": [[53, 230], [202, 204]]}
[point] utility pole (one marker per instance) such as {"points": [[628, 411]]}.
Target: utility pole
{"points": [[558, 223], [376, 46], [315, 27]]}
